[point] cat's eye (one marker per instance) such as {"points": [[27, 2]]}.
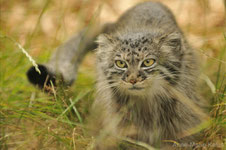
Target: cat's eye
{"points": [[148, 63], [120, 64]]}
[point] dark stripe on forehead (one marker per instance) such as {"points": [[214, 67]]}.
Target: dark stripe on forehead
{"points": [[137, 44], [144, 41], [135, 53], [145, 49], [132, 45], [128, 54]]}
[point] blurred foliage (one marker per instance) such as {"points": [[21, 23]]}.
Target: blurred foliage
{"points": [[31, 119]]}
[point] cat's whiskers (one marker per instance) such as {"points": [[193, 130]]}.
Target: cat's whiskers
{"points": [[107, 86]]}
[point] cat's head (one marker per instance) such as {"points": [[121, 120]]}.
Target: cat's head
{"points": [[140, 62]]}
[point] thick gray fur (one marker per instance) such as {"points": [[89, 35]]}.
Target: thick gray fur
{"points": [[168, 107]]}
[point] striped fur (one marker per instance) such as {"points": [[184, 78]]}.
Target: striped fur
{"points": [[163, 103]]}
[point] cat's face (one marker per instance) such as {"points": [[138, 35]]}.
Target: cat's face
{"points": [[136, 64]]}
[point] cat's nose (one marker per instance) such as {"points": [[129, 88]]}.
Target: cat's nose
{"points": [[133, 81]]}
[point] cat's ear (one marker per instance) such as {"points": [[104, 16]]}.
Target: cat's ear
{"points": [[105, 43], [104, 40], [171, 43], [174, 40]]}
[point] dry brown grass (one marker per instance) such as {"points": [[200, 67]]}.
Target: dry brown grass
{"points": [[28, 117]]}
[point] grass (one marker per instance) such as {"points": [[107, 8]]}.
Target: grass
{"points": [[26, 111], [32, 119]]}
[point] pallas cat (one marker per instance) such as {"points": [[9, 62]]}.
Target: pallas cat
{"points": [[146, 77]]}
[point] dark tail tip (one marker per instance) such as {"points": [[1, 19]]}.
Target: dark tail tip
{"points": [[42, 79]]}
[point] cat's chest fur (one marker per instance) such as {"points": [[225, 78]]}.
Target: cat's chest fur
{"points": [[152, 117]]}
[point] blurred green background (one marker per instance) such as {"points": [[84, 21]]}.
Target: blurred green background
{"points": [[32, 119]]}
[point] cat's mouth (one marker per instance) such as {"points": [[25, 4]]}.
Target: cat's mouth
{"points": [[132, 87], [136, 88]]}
